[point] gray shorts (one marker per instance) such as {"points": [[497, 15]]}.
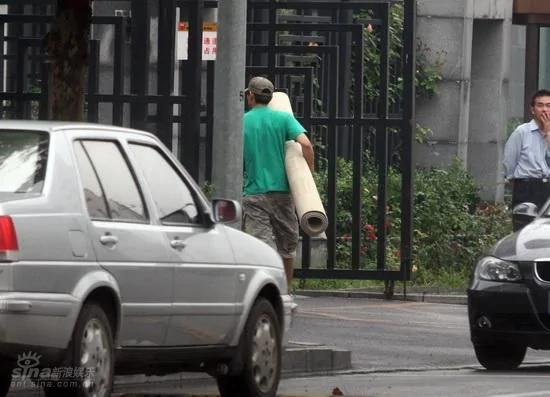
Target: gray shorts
{"points": [[272, 215]]}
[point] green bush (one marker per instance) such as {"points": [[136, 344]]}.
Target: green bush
{"points": [[451, 226]]}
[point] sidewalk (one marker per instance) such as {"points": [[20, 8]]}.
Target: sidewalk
{"points": [[434, 295]]}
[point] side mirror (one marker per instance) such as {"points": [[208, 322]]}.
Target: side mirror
{"points": [[226, 211], [524, 213]]}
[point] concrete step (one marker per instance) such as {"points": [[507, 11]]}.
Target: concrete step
{"points": [[303, 358], [299, 358]]}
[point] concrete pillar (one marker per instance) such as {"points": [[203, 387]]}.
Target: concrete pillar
{"points": [[544, 60], [489, 105], [229, 84], [517, 76], [445, 26]]}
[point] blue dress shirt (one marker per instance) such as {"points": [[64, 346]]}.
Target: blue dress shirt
{"points": [[526, 154]]}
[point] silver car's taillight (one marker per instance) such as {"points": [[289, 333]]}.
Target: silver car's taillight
{"points": [[8, 239]]}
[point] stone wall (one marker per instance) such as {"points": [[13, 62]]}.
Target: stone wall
{"points": [[469, 114]]}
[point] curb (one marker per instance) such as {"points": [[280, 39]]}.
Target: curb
{"points": [[454, 299], [299, 359], [314, 358]]}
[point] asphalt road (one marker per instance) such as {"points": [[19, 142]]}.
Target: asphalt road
{"points": [[398, 349], [526, 382], [391, 335]]}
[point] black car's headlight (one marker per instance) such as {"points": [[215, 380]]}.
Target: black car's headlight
{"points": [[494, 269]]}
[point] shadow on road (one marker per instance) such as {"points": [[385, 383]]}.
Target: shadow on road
{"points": [[520, 371]]}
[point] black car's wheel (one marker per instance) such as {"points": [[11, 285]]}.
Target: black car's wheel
{"points": [[5, 382], [91, 355], [500, 357], [261, 353]]}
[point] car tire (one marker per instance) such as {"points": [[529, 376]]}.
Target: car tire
{"points": [[5, 382], [91, 352], [500, 357], [260, 350]]}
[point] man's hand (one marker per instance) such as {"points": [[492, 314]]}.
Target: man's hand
{"points": [[545, 121], [307, 149]]}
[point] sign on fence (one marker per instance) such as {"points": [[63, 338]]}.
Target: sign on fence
{"points": [[209, 41]]}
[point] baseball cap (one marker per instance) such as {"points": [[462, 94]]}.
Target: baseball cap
{"points": [[260, 86]]}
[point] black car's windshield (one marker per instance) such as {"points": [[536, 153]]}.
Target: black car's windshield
{"points": [[23, 158]]}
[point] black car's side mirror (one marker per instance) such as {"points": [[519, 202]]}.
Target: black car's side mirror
{"points": [[226, 211], [524, 213]]}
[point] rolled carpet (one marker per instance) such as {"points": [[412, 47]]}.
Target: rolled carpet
{"points": [[311, 213], [309, 207]]}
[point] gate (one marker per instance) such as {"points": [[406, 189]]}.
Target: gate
{"points": [[316, 51], [352, 87], [134, 79]]}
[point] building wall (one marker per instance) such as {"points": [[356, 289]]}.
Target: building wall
{"points": [[469, 114], [517, 76]]}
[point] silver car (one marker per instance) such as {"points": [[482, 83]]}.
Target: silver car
{"points": [[113, 261]]}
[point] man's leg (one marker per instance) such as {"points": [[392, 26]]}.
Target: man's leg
{"points": [[285, 230], [256, 219], [521, 193], [544, 194], [289, 270]]}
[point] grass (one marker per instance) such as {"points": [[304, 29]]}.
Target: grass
{"points": [[441, 280]]}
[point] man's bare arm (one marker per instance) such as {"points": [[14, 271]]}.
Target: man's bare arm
{"points": [[307, 149]]}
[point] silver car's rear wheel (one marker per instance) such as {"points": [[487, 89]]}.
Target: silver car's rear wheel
{"points": [[260, 348], [90, 355], [95, 358]]}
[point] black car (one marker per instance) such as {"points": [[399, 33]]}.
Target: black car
{"points": [[509, 297]]}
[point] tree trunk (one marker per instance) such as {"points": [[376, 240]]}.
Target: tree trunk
{"points": [[67, 45]]}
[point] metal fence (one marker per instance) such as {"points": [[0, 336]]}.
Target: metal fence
{"points": [[126, 84], [314, 50]]}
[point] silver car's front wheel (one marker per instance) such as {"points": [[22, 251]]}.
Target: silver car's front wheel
{"points": [[261, 354], [90, 357]]}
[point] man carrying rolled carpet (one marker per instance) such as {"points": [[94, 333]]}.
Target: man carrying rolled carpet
{"points": [[268, 207]]}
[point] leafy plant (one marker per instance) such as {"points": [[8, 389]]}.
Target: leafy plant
{"points": [[428, 69], [428, 73], [452, 227], [208, 189]]}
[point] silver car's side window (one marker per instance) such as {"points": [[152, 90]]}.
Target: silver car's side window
{"points": [[93, 193], [122, 196], [23, 159], [172, 197]]}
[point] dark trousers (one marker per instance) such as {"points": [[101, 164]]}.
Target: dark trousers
{"points": [[535, 191]]}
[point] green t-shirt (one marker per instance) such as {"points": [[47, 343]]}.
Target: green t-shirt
{"points": [[265, 134]]}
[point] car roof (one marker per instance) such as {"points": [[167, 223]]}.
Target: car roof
{"points": [[53, 126]]}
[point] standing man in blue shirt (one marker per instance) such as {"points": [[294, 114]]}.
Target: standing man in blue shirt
{"points": [[527, 156]]}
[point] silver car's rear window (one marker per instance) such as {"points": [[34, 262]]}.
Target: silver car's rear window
{"points": [[23, 159]]}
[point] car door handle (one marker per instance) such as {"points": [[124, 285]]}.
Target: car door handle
{"points": [[108, 239], [178, 244]]}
